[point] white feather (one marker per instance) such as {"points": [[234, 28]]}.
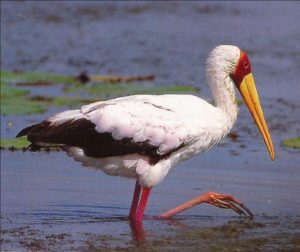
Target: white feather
{"points": [[69, 115]]}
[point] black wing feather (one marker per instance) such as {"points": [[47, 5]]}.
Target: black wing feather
{"points": [[82, 133]]}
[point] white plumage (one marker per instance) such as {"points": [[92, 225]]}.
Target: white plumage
{"points": [[165, 121]]}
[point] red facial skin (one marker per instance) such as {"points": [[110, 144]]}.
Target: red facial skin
{"points": [[242, 69]]}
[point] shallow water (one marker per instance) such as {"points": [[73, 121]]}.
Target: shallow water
{"points": [[49, 202]]}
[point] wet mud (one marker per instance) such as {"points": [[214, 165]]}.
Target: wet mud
{"points": [[185, 233]]}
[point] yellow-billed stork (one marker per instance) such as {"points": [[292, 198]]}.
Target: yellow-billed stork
{"points": [[144, 136]]}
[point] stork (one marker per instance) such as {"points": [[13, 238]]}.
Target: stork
{"points": [[144, 136]]}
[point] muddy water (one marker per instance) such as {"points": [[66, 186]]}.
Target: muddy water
{"points": [[49, 202]]}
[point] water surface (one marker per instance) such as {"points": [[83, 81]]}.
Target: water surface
{"points": [[49, 202]]}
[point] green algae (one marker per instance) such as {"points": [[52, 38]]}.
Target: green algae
{"points": [[71, 102], [14, 144], [21, 143], [14, 101], [292, 143], [36, 77], [121, 89], [62, 101], [17, 100], [7, 91]]}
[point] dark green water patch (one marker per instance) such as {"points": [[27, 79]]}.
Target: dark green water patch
{"points": [[14, 144], [36, 78], [121, 89], [62, 101], [21, 143], [18, 101], [14, 101], [292, 143]]}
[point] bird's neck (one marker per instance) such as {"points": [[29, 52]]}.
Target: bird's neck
{"points": [[223, 92]]}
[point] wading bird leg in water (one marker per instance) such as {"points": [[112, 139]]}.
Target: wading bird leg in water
{"points": [[216, 199], [137, 229], [138, 205], [135, 200], [139, 202]]}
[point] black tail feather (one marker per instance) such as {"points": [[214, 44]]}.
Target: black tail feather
{"points": [[83, 134], [35, 134], [24, 132]]}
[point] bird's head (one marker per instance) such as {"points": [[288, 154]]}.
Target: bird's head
{"points": [[243, 79], [234, 63]]}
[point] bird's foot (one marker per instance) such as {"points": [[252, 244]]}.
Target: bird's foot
{"points": [[216, 199], [228, 202]]}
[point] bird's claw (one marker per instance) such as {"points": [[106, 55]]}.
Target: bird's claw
{"points": [[228, 202]]}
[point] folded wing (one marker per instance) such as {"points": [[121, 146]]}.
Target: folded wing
{"points": [[131, 125]]}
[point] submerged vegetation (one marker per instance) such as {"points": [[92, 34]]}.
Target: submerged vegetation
{"points": [[292, 143], [14, 144], [16, 100], [121, 89], [36, 77]]}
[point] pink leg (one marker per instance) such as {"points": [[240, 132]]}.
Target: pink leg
{"points": [[212, 198], [135, 200], [142, 205], [136, 223], [139, 202]]}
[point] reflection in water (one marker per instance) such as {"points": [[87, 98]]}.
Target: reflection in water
{"points": [[186, 226], [137, 229], [113, 233]]}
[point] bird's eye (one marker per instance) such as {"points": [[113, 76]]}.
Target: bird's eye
{"points": [[246, 64]]}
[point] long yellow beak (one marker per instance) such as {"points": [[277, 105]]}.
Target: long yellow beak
{"points": [[249, 93]]}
